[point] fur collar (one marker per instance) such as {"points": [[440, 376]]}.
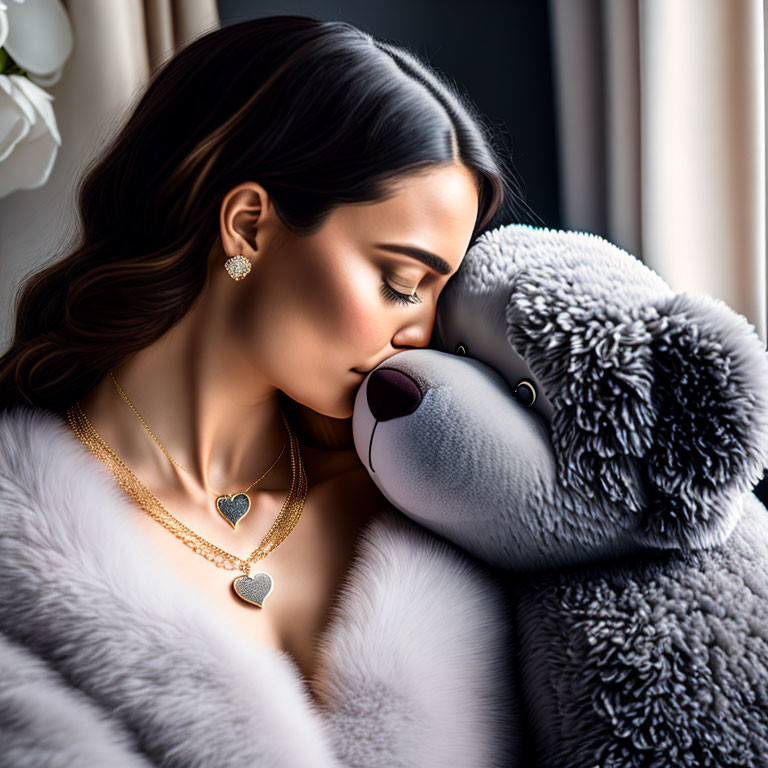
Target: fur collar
{"points": [[416, 663]]}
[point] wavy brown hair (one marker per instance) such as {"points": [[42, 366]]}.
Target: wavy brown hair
{"points": [[320, 113]]}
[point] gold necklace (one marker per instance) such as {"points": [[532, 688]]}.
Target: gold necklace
{"points": [[254, 588], [233, 507]]}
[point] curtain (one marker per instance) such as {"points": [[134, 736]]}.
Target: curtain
{"points": [[661, 137], [117, 46]]}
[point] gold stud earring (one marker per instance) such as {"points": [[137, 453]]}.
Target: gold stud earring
{"points": [[238, 266]]}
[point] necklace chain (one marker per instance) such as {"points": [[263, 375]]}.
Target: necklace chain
{"points": [[130, 483], [162, 448]]}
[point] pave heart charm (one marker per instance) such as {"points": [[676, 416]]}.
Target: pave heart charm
{"points": [[254, 589], [233, 508]]}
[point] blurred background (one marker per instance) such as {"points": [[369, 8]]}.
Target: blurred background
{"points": [[642, 121]]}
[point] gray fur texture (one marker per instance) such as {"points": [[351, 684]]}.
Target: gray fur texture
{"points": [[618, 503], [107, 659]]}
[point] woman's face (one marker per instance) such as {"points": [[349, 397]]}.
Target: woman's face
{"points": [[313, 309]]}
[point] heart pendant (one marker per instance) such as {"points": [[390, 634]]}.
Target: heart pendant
{"points": [[233, 508], [254, 589]]}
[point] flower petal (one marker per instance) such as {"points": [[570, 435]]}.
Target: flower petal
{"points": [[14, 121], [39, 35], [41, 101], [29, 136], [29, 165], [3, 24]]}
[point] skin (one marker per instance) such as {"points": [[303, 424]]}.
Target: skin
{"points": [[310, 310]]}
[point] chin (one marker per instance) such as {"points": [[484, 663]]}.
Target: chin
{"points": [[341, 412], [318, 411]]}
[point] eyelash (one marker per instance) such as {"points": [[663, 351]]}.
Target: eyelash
{"points": [[396, 297]]}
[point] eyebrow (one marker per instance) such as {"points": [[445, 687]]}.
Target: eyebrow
{"points": [[430, 259]]}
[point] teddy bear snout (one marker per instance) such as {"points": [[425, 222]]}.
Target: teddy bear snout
{"points": [[392, 393]]}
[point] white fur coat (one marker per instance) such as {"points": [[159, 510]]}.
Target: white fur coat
{"points": [[106, 659]]}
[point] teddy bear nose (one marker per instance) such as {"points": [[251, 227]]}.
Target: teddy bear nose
{"points": [[391, 394]]}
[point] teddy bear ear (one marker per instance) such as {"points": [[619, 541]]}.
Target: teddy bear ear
{"points": [[710, 419], [659, 398]]}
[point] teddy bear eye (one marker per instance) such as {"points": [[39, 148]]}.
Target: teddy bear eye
{"points": [[461, 350], [525, 392]]}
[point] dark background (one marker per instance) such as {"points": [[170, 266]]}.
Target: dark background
{"points": [[498, 52]]}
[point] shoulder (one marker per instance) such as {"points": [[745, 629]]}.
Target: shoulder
{"points": [[409, 572], [38, 455], [52, 494], [35, 452], [424, 626], [395, 539]]}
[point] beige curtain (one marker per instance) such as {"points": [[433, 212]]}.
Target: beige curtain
{"points": [[118, 44], [661, 132]]}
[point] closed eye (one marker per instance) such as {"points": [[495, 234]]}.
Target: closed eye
{"points": [[396, 297]]}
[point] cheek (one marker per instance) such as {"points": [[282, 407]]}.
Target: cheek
{"points": [[317, 315], [346, 304], [362, 317]]}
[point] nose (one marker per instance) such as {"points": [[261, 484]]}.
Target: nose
{"points": [[391, 394]]}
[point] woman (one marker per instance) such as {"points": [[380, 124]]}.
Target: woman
{"points": [[197, 569]]}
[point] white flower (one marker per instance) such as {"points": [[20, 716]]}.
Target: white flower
{"points": [[4, 22], [38, 37], [29, 136]]}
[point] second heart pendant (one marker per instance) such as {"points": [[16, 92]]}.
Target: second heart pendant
{"points": [[254, 589], [233, 507]]}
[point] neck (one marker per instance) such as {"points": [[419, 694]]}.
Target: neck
{"points": [[212, 413]]}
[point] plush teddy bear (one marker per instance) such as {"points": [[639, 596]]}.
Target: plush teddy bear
{"points": [[595, 435]]}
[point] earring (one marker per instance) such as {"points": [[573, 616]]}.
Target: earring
{"points": [[238, 266]]}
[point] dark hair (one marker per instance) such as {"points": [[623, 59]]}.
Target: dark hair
{"points": [[320, 113]]}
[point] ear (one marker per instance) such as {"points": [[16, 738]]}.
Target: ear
{"points": [[584, 341], [710, 431], [660, 409]]}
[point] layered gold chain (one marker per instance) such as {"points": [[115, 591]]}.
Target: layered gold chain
{"points": [[162, 447], [130, 483]]}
